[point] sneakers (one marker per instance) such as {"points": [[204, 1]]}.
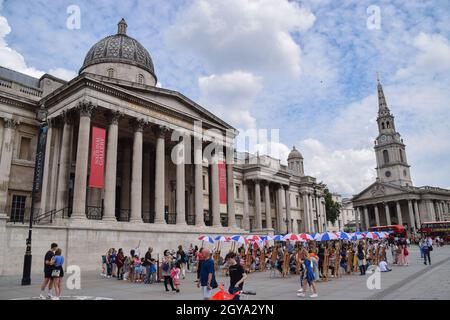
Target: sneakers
{"points": [[300, 290], [301, 294], [49, 296], [42, 296], [55, 298], [314, 295]]}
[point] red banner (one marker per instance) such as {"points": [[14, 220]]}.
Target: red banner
{"points": [[222, 182], [97, 174]]}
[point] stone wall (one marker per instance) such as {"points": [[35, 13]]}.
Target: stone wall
{"points": [[84, 243]]}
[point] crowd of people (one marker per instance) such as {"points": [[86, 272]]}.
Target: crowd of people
{"points": [[312, 261]]}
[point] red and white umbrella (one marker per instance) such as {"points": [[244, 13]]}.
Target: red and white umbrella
{"points": [[372, 235], [239, 239], [305, 237], [206, 238], [292, 237], [222, 239], [253, 237]]}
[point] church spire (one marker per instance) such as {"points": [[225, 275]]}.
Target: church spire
{"points": [[382, 105], [122, 27]]}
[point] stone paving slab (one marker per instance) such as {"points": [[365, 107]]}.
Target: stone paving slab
{"points": [[423, 282]]}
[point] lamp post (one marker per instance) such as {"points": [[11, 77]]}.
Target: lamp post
{"points": [[37, 182]]}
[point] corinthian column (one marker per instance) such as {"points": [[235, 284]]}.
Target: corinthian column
{"points": [[399, 213], [246, 207], [180, 183], [215, 200], [377, 215], [64, 162], [388, 214], [288, 209], [136, 172], [81, 170], [198, 168], [160, 133], [111, 166], [258, 216], [268, 207], [416, 211], [5, 160]]}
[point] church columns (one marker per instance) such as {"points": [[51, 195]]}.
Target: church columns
{"points": [[215, 192], [366, 217], [358, 219], [377, 215], [81, 171], [136, 172], [417, 215], [5, 160], [198, 182], [288, 209], [267, 205], [160, 133], [399, 213], [388, 214], [258, 216], [180, 184], [280, 226], [412, 224], [111, 167], [306, 212], [246, 207], [62, 191]]}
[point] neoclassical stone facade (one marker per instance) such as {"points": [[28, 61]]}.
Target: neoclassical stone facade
{"points": [[392, 198], [146, 194]]}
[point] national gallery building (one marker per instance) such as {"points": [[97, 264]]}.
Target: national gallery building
{"points": [[100, 148]]}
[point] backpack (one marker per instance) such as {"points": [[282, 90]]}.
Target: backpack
{"points": [[165, 267], [361, 255]]}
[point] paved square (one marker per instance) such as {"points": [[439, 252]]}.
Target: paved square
{"points": [[415, 281]]}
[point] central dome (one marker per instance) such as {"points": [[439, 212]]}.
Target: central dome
{"points": [[119, 48]]}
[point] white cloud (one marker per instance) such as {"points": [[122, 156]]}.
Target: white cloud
{"points": [[251, 35], [12, 59], [231, 96], [346, 171], [433, 57]]}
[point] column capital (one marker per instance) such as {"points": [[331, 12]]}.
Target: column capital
{"points": [[11, 123], [113, 117], [160, 131], [68, 116], [138, 124], [85, 108]]}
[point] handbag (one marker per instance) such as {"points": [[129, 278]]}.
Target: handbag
{"points": [[56, 273]]}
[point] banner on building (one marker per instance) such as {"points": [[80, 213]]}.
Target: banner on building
{"points": [[222, 182], [97, 174], [40, 158]]}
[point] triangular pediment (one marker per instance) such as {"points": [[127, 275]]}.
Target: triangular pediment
{"points": [[378, 189]]}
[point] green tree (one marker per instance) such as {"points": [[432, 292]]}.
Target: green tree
{"points": [[333, 208]]}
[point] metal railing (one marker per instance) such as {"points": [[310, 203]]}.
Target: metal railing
{"points": [[171, 218], [94, 213], [148, 216], [49, 216], [190, 219], [123, 215], [207, 218]]}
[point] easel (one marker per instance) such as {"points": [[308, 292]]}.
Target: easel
{"points": [[349, 259], [248, 260], [262, 260], [337, 263], [285, 267], [297, 260], [325, 264]]}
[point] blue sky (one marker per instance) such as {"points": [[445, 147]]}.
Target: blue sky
{"points": [[306, 68]]}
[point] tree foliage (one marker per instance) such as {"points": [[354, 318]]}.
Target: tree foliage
{"points": [[333, 208]]}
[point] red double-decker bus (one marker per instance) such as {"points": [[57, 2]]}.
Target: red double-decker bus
{"points": [[436, 229], [395, 231]]}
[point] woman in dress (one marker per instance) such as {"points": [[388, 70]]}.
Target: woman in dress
{"points": [[308, 275], [57, 273]]}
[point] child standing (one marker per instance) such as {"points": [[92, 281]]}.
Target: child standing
{"points": [[152, 271], [175, 275]]}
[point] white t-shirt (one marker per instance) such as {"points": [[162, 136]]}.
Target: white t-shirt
{"points": [[383, 266]]}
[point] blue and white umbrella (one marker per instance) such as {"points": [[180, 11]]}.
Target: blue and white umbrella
{"points": [[278, 237], [239, 239], [206, 238], [326, 236], [344, 235], [358, 235]]}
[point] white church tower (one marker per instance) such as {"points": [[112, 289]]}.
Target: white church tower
{"points": [[392, 165]]}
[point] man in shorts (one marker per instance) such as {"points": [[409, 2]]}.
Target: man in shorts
{"points": [[48, 268], [207, 276]]}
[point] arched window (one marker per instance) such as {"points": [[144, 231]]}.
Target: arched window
{"points": [[386, 156], [110, 72], [141, 79], [401, 155], [382, 125], [387, 125]]}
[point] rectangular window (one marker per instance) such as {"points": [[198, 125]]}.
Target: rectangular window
{"points": [[25, 149], [238, 191], [297, 201], [18, 208], [204, 182]]}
